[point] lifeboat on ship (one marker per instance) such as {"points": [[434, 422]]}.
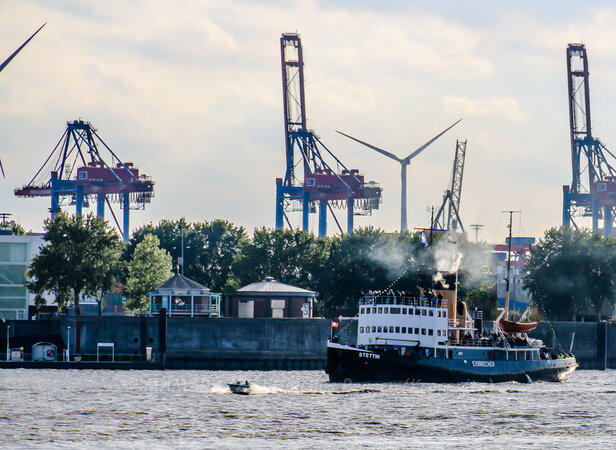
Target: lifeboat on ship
{"points": [[516, 327]]}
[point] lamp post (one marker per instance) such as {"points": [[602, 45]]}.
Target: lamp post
{"points": [[68, 346], [8, 348]]}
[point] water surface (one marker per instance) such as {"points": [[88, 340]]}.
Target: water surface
{"points": [[71, 408]]}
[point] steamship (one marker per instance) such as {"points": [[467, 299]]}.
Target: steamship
{"points": [[434, 339]]}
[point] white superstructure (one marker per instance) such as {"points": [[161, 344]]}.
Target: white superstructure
{"points": [[402, 321]]}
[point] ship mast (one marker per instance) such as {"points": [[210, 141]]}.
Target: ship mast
{"points": [[508, 263]]}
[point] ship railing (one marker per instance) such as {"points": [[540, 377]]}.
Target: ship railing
{"points": [[371, 299], [483, 342]]}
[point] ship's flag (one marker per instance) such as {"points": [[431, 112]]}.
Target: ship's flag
{"points": [[335, 324], [423, 239]]}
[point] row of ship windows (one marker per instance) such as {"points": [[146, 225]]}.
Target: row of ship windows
{"points": [[404, 330], [387, 310]]}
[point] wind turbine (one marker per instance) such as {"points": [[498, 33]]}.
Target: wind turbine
{"points": [[8, 60], [404, 162]]}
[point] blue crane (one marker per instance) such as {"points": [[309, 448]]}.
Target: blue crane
{"points": [[592, 192], [310, 180]]}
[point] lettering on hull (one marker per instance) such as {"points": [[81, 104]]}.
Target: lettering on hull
{"points": [[483, 363], [369, 355]]}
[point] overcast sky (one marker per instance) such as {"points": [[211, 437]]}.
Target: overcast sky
{"points": [[190, 91]]}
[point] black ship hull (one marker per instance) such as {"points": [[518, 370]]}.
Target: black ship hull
{"points": [[349, 364]]}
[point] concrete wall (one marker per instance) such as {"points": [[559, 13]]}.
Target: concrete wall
{"points": [[230, 343]]}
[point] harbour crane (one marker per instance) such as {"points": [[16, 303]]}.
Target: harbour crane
{"points": [[451, 199], [9, 59], [76, 173], [309, 179], [592, 192], [404, 162]]}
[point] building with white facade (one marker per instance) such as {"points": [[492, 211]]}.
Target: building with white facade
{"points": [[16, 253]]}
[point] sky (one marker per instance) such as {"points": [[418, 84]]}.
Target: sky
{"points": [[191, 93]]}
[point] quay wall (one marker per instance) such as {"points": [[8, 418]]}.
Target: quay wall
{"points": [[260, 344]]}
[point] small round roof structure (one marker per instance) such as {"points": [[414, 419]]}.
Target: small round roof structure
{"points": [[179, 284], [271, 286]]}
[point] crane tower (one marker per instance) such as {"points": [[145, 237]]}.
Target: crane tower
{"points": [[592, 192], [451, 198], [310, 181]]}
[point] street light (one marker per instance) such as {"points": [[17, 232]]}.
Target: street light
{"points": [[68, 347]]}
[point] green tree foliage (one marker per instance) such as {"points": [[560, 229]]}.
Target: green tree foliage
{"points": [[293, 257], [16, 228], [570, 270], [371, 259], [481, 296], [209, 248], [81, 256], [149, 267]]}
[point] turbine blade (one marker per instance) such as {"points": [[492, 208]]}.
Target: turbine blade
{"points": [[8, 60], [380, 150], [423, 147]]}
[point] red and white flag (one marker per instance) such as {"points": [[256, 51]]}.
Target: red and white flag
{"points": [[335, 324]]}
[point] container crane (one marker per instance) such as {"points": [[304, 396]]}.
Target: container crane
{"points": [[592, 192], [76, 173], [309, 179]]}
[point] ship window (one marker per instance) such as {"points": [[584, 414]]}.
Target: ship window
{"points": [[438, 332], [398, 331], [430, 332], [391, 329], [423, 331], [373, 310], [362, 310], [449, 354], [403, 310], [417, 312], [367, 310], [361, 329], [404, 330], [380, 310], [379, 329], [416, 330], [385, 310], [394, 310], [423, 312], [438, 314], [431, 313], [374, 329]]}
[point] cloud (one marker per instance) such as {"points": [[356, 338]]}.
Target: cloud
{"points": [[487, 107]]}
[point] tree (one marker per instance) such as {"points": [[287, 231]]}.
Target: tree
{"points": [[16, 228], [149, 267], [371, 259], [570, 270], [81, 256], [293, 257], [482, 296], [209, 248]]}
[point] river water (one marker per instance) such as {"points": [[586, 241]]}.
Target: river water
{"points": [[194, 409]]}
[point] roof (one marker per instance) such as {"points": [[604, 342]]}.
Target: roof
{"points": [[181, 283], [270, 285]]}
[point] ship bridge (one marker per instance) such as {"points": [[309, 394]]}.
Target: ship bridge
{"points": [[402, 321]]}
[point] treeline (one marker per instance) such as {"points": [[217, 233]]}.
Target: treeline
{"points": [[223, 257]]}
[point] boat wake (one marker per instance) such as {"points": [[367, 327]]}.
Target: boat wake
{"points": [[258, 389]]}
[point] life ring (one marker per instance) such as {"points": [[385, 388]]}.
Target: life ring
{"points": [[50, 353]]}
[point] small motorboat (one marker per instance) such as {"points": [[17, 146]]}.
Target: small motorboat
{"points": [[240, 388]]}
